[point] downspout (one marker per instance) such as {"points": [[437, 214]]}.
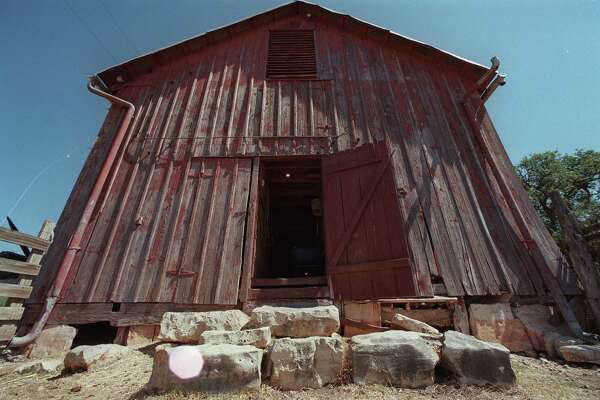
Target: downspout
{"points": [[55, 292]]}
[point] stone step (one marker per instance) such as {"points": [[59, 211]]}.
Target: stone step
{"points": [[259, 337], [305, 363], [297, 322], [226, 368], [187, 327], [87, 357], [398, 358], [476, 362]]}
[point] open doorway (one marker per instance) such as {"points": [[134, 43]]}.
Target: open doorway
{"points": [[289, 236]]}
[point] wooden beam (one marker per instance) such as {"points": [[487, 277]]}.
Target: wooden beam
{"points": [[7, 332], [411, 300], [460, 317], [12, 290], [250, 236], [19, 267], [24, 239], [363, 325], [309, 292], [121, 336], [367, 313], [581, 260], [129, 313], [11, 313], [13, 227], [301, 281], [35, 257], [437, 317]]}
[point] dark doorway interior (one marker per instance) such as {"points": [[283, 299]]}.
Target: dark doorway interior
{"points": [[290, 249], [95, 333]]}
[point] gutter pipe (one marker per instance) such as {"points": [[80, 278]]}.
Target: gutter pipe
{"points": [[75, 243]]}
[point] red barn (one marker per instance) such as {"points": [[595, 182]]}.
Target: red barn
{"points": [[297, 154]]}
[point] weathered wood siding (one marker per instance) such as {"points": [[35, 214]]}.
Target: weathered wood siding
{"points": [[217, 102]]}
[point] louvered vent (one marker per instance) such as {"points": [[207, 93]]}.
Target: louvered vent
{"points": [[292, 55]]}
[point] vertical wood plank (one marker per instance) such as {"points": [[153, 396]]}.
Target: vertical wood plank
{"points": [[250, 236]]}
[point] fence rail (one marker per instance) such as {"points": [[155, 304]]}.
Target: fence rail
{"points": [[24, 239], [17, 288]]}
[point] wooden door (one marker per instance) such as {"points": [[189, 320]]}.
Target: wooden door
{"points": [[365, 240]]}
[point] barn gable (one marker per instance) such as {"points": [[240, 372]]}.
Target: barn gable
{"points": [[181, 224], [114, 77]]}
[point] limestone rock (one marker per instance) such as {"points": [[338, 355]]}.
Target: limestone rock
{"points": [[259, 337], [227, 368], [303, 363], [476, 362], [550, 339], [400, 321], [536, 320], [297, 322], [142, 335], [86, 357], [398, 358], [554, 340], [582, 353], [52, 342], [496, 323], [187, 327], [46, 366], [563, 340]]}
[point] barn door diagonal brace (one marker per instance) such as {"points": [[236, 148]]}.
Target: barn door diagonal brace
{"points": [[359, 212]]}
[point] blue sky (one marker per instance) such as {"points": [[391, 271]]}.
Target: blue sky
{"points": [[48, 121]]}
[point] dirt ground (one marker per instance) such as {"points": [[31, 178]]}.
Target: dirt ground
{"points": [[125, 379]]}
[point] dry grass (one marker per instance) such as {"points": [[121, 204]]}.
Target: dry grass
{"points": [[125, 379]]}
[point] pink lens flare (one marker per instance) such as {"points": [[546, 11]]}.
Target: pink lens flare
{"points": [[186, 362]]}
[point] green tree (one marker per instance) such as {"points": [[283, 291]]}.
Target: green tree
{"points": [[576, 177]]}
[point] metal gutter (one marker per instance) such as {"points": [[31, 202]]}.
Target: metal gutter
{"points": [[75, 243]]}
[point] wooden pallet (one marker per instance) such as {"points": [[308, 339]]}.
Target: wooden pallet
{"points": [[14, 294], [360, 317]]}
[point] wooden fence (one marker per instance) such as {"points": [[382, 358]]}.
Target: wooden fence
{"points": [[19, 289], [578, 254]]}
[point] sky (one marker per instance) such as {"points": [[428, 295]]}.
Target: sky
{"points": [[550, 50]]}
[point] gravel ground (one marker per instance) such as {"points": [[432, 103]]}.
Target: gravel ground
{"points": [[125, 379]]}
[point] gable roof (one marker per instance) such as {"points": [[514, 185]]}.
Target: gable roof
{"points": [[146, 63]]}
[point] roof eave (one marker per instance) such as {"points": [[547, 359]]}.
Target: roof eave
{"points": [[147, 62]]}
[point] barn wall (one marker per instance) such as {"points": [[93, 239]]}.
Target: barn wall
{"points": [[217, 103], [75, 204]]}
